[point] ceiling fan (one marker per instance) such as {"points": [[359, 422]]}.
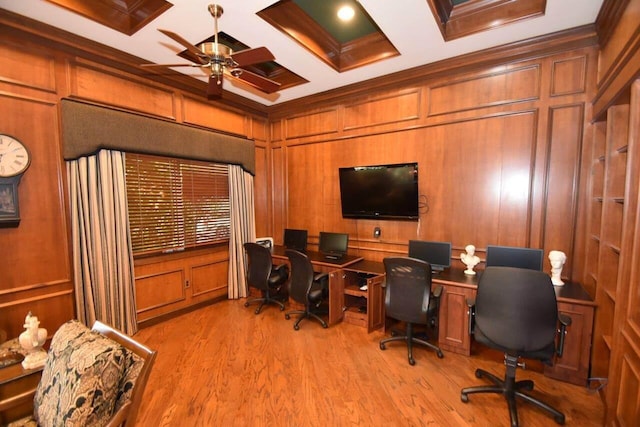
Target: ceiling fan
{"points": [[218, 58]]}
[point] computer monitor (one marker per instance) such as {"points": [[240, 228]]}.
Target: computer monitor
{"points": [[333, 245], [295, 239], [438, 254], [509, 256]]}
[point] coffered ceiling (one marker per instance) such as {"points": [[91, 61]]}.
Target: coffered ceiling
{"points": [[314, 52]]}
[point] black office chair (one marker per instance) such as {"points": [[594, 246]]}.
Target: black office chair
{"points": [[409, 299], [305, 288], [516, 312], [262, 275]]}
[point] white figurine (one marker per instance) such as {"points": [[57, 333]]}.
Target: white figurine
{"points": [[469, 259], [557, 259], [32, 340]]}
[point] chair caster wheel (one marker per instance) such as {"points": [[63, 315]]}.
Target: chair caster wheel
{"points": [[286, 316], [257, 311], [382, 346], [440, 355], [281, 308], [478, 373], [559, 419], [246, 304], [325, 326], [412, 362], [464, 397], [296, 327]]}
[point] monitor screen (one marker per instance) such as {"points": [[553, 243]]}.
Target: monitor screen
{"points": [[380, 192], [295, 239], [509, 256], [333, 243], [438, 254]]}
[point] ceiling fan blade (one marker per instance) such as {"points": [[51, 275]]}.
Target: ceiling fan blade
{"points": [[168, 65], [194, 51], [257, 81], [214, 90], [252, 56]]}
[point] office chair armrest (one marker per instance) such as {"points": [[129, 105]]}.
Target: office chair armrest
{"points": [[318, 277], [281, 268], [471, 305], [437, 291], [564, 322]]}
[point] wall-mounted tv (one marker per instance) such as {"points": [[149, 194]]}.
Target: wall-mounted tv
{"points": [[380, 192]]}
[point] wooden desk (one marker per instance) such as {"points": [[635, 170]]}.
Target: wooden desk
{"points": [[453, 329], [324, 265]]}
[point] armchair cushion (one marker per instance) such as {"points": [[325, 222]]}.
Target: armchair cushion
{"points": [[81, 379]]}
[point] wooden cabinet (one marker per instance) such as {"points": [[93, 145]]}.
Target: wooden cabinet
{"points": [[453, 329], [573, 366], [350, 303]]}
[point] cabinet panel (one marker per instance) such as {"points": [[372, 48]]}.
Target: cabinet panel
{"points": [[453, 333]]}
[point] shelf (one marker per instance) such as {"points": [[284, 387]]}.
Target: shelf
{"points": [[601, 158], [355, 291], [614, 248], [595, 238], [593, 277], [598, 199], [607, 340]]}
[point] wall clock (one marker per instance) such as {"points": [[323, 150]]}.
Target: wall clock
{"points": [[14, 161]]}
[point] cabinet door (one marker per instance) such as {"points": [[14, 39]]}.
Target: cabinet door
{"points": [[453, 333], [336, 296], [375, 303], [573, 366]]}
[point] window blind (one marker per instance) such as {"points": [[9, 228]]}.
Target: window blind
{"points": [[175, 204]]}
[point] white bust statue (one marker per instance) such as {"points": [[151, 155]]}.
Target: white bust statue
{"points": [[470, 259], [557, 259], [32, 340]]}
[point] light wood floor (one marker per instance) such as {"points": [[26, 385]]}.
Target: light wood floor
{"points": [[224, 366]]}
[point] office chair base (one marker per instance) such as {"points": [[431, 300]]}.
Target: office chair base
{"points": [[410, 340], [510, 389], [304, 315], [264, 301]]}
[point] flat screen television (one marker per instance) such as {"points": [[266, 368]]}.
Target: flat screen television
{"points": [[438, 254], [333, 245], [510, 256], [387, 192]]}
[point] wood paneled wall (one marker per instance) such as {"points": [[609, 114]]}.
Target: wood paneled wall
{"points": [[35, 267], [499, 153]]}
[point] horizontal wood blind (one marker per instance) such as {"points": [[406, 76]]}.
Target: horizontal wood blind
{"points": [[175, 204]]}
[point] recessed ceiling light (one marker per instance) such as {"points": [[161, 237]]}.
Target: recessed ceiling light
{"points": [[345, 13]]}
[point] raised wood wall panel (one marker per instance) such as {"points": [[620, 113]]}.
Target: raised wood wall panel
{"points": [[209, 279], [24, 68], [514, 85], [393, 108], [569, 76], [207, 115], [164, 285], [278, 194], [261, 192], [562, 177], [316, 123], [108, 87]]}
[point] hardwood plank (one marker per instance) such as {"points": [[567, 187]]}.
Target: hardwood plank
{"points": [[223, 365]]}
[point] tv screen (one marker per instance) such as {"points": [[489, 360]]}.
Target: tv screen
{"points": [[438, 254], [509, 256], [380, 192]]}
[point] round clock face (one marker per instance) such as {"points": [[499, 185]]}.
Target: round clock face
{"points": [[14, 157]]}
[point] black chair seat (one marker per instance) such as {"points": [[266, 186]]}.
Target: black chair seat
{"points": [[305, 287], [408, 298], [516, 312], [263, 276]]}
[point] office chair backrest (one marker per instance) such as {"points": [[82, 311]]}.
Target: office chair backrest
{"points": [[259, 265], [301, 275], [516, 309], [408, 289]]}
